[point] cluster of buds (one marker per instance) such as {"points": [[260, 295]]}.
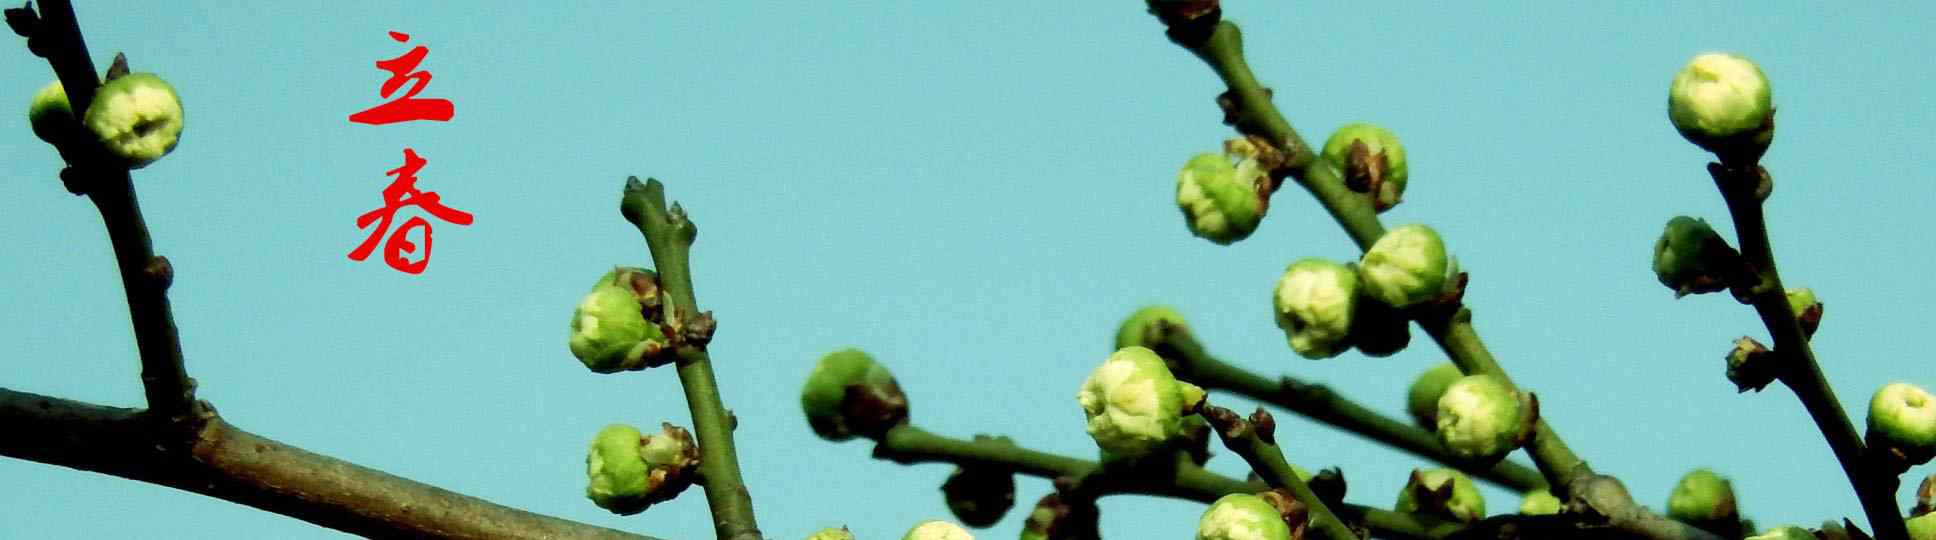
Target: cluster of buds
{"points": [[1722, 103], [1224, 196], [937, 530], [1370, 160], [1481, 418], [1691, 258], [1705, 500], [1902, 426], [1442, 492], [629, 471], [848, 394], [1134, 405], [1272, 515], [612, 328]]}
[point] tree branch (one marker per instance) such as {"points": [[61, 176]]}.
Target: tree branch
{"points": [[669, 235], [228, 463], [1744, 188], [1317, 402], [1250, 439]]}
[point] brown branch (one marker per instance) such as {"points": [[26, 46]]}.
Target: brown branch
{"points": [[225, 462]]}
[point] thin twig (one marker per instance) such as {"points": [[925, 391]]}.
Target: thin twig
{"points": [[669, 235], [1248, 438]]}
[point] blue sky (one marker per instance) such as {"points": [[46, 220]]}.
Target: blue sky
{"points": [[975, 192]]}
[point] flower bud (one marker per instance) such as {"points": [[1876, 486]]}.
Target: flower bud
{"points": [[1144, 327], [137, 117], [1539, 502], [937, 530], [1691, 259], [1751, 366], [1379, 330], [1242, 516], [831, 533], [979, 496], [1704, 499], [1482, 419], [1222, 200], [1721, 102], [1133, 403], [1784, 532], [1922, 527], [1405, 267], [50, 114], [1925, 497], [1314, 302], [1808, 310], [848, 394], [1902, 423], [609, 331], [630, 472], [1371, 161], [1422, 400], [1054, 519], [1442, 492]]}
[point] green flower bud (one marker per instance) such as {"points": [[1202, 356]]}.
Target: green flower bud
{"points": [[609, 331], [1422, 400], [848, 394], [1379, 330], [1405, 267], [1480, 418], [1721, 102], [1371, 161], [1750, 365], [1691, 259], [1902, 422], [1442, 492], [1784, 532], [1222, 201], [1133, 403], [137, 117], [1053, 519], [937, 530], [1314, 302], [50, 114], [1143, 326], [630, 472], [831, 533], [1922, 527], [1703, 498], [1808, 310], [979, 496], [1539, 502], [1242, 516]]}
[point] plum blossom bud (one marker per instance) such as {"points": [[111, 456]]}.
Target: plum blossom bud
{"points": [[1784, 532], [1442, 492], [629, 471], [137, 117], [1922, 527], [1539, 502], [50, 114], [1722, 103], [937, 530], [1371, 160], [609, 331], [849, 394], [1480, 418], [1405, 267], [979, 495], [1691, 259], [1902, 423], [1808, 310], [1133, 403], [1314, 303], [1223, 196], [1422, 400], [1146, 323], [1706, 500], [1242, 516], [831, 534]]}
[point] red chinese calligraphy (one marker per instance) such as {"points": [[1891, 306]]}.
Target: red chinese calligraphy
{"points": [[403, 192], [408, 107]]}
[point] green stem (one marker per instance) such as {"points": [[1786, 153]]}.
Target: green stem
{"points": [[669, 235], [1244, 438], [1875, 488], [1317, 402]]}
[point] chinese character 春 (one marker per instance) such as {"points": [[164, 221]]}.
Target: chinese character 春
{"points": [[409, 107], [400, 193]]}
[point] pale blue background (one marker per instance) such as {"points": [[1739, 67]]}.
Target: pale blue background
{"points": [[976, 193]]}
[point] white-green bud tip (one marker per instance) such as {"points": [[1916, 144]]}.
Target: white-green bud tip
{"points": [[1480, 418], [1136, 330], [1380, 164], [1242, 516], [1904, 415], [1721, 103], [1702, 496], [1223, 195], [609, 332], [50, 114], [137, 117], [850, 394], [1422, 399], [1405, 267], [1443, 492], [937, 530], [1132, 402], [1785, 532], [1539, 502], [831, 533], [629, 471], [1314, 302]]}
